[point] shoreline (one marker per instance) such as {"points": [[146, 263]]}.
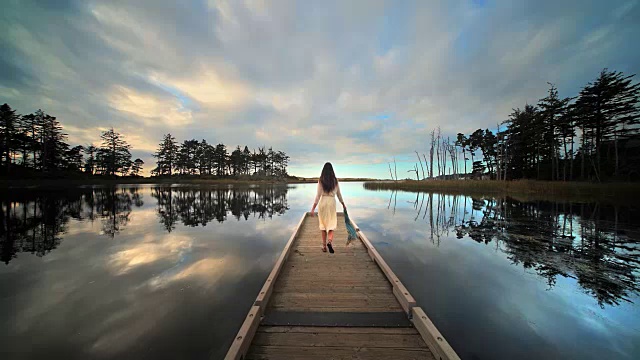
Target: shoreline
{"points": [[619, 192], [68, 182]]}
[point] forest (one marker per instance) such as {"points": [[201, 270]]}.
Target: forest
{"points": [[593, 136], [194, 157], [35, 145]]}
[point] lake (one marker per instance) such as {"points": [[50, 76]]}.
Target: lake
{"points": [[151, 272]]}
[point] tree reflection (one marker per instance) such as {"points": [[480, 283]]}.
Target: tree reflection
{"points": [[595, 244], [34, 221], [199, 206]]}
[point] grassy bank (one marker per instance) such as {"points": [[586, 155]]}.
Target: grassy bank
{"points": [[523, 189]]}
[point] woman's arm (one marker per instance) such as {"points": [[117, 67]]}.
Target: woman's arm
{"points": [[340, 196], [318, 194]]}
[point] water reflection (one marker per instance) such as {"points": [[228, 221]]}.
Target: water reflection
{"points": [[107, 255], [592, 243], [199, 206], [35, 221]]}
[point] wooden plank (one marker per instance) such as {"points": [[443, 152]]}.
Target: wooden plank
{"points": [[354, 280], [245, 335], [329, 279], [329, 339], [336, 330], [332, 288], [337, 353], [337, 282], [265, 292], [328, 302], [389, 319], [432, 337], [407, 301], [317, 266], [351, 308], [338, 296]]}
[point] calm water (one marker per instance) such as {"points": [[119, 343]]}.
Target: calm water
{"points": [[170, 272]]}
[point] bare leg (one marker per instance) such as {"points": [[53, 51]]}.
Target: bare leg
{"points": [[324, 239], [330, 245]]}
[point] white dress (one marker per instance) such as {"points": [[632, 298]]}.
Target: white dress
{"points": [[327, 217]]}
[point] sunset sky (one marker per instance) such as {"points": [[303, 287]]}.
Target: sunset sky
{"points": [[351, 82]]}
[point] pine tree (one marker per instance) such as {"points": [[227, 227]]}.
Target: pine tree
{"points": [[220, 159], [167, 155], [246, 160], [52, 144], [461, 141], [114, 153], [73, 158], [8, 135], [90, 164], [136, 167], [552, 111], [609, 109]]}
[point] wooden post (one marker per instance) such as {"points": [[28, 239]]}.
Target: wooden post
{"points": [[267, 288], [244, 337], [439, 347]]}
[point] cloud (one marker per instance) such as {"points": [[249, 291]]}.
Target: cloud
{"points": [[148, 109], [305, 78]]}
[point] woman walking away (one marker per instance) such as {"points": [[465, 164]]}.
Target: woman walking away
{"points": [[328, 188]]}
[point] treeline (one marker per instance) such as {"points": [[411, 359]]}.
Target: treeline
{"points": [[194, 157], [35, 144], [593, 137]]}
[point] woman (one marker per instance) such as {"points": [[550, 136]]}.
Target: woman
{"points": [[328, 188]]}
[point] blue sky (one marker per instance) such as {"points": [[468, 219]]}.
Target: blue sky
{"points": [[356, 83]]}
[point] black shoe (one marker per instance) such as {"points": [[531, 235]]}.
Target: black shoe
{"points": [[330, 248]]}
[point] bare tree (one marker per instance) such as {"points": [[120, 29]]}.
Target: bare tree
{"points": [[420, 161], [433, 141], [426, 164], [396, 167], [415, 169], [438, 152]]}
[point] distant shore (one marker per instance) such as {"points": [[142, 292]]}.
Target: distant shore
{"points": [[619, 192], [63, 182]]}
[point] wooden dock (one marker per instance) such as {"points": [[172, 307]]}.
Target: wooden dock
{"points": [[347, 305]]}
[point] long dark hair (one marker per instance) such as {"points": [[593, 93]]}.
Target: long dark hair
{"points": [[328, 178]]}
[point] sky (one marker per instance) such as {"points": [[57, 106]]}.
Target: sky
{"points": [[356, 83]]}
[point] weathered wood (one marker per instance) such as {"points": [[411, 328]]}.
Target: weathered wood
{"points": [[432, 337], [265, 292], [335, 330], [324, 308], [348, 339], [399, 290], [244, 337], [310, 289], [336, 296], [306, 282], [337, 353]]}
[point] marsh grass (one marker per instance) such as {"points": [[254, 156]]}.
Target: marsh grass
{"points": [[521, 189]]}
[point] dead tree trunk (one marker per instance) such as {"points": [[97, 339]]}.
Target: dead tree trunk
{"points": [[420, 161]]}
